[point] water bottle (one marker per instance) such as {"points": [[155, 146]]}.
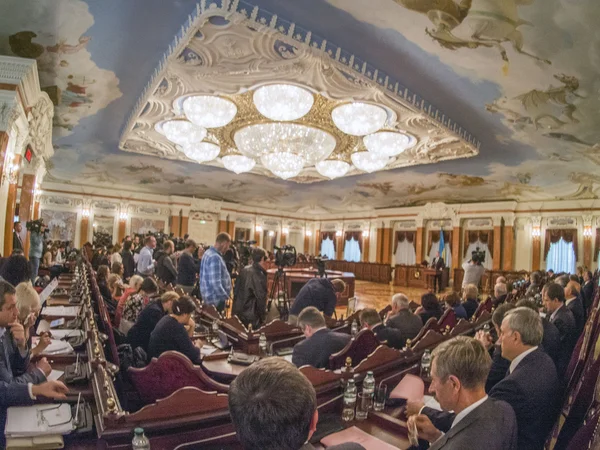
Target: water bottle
{"points": [[349, 401], [354, 328], [140, 441], [426, 364], [486, 328], [369, 387], [262, 344]]}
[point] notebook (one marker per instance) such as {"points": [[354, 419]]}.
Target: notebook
{"points": [[410, 388], [61, 311], [39, 420]]}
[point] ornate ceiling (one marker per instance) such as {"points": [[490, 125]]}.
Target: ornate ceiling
{"points": [[512, 83]]}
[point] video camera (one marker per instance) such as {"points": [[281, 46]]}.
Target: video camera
{"points": [[478, 256], [321, 260], [285, 256]]}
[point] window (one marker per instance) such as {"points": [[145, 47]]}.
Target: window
{"points": [[352, 251], [405, 253], [561, 257], [327, 248]]}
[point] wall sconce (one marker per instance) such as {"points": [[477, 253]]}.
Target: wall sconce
{"points": [[258, 228], [308, 233], [202, 222], [271, 233], [536, 232], [285, 231], [37, 193], [86, 213], [366, 233], [587, 231], [338, 233], [94, 224], [123, 216], [11, 174]]}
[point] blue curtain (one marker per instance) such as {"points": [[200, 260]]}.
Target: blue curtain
{"points": [[352, 251], [327, 248], [561, 257]]}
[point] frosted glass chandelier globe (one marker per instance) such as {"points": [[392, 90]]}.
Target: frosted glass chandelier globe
{"points": [[202, 151], [282, 164], [312, 144], [283, 102], [238, 163], [182, 132], [209, 111], [359, 119], [331, 168], [388, 143], [368, 162]]}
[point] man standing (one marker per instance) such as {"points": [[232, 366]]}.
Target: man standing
{"points": [[587, 292], [17, 241], [250, 293], [215, 282], [459, 371], [145, 264], [165, 269], [128, 261], [188, 267], [473, 272], [36, 250], [575, 305], [321, 293], [553, 296], [438, 265], [401, 318]]}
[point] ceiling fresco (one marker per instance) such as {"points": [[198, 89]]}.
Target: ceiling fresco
{"points": [[522, 76]]}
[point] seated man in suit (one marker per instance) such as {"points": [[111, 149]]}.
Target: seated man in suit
{"points": [[273, 406], [458, 373], [551, 340], [575, 305], [321, 293], [587, 292], [534, 287], [553, 296], [369, 318], [438, 265], [500, 294], [401, 318], [470, 300], [534, 398], [500, 364], [14, 352], [320, 342]]}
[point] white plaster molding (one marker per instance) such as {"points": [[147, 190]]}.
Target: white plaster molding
{"points": [[205, 205], [497, 221], [509, 220], [588, 219]]}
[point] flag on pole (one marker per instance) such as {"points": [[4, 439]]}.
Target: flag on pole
{"points": [[442, 248]]}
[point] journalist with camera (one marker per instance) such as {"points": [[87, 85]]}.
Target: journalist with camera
{"points": [[250, 291], [474, 268]]}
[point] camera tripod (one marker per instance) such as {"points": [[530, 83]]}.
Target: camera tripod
{"points": [[278, 293]]}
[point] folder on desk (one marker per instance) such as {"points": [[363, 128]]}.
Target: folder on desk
{"points": [[39, 420], [36, 442], [48, 290], [56, 347], [61, 311]]}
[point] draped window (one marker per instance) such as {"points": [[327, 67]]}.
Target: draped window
{"points": [[484, 239], [328, 248], [561, 245], [353, 246], [561, 257], [434, 246], [404, 244]]}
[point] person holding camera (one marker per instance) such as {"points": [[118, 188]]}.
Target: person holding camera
{"points": [[473, 269], [250, 292]]}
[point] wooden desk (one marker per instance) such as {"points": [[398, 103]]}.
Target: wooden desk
{"points": [[297, 278], [418, 277], [220, 369]]}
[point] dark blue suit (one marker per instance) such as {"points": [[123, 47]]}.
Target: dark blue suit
{"points": [[316, 350], [13, 364]]}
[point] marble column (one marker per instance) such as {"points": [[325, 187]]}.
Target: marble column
{"points": [[11, 204], [497, 246], [26, 205], [508, 244], [456, 248], [317, 243], [339, 247], [306, 244], [537, 253], [83, 230], [366, 242], [419, 244]]}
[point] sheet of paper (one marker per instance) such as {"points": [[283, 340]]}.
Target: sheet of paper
{"points": [[60, 334], [48, 290], [55, 375], [411, 388], [56, 347], [358, 436], [39, 420], [206, 350], [61, 311]]}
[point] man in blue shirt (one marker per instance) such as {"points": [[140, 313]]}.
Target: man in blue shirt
{"points": [[145, 264], [215, 282]]}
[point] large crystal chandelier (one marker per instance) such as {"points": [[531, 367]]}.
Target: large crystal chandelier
{"points": [[388, 143], [181, 132], [359, 119], [312, 144], [209, 111], [238, 163], [202, 151], [283, 164], [368, 162], [283, 102], [332, 168]]}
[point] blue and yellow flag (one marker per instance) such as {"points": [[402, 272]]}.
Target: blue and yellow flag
{"points": [[442, 248]]}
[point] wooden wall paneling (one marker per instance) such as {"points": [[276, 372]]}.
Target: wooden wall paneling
{"points": [[419, 244], [83, 231], [11, 205], [176, 226], [456, 246], [587, 251], [306, 244], [184, 225], [508, 249], [26, 205], [317, 243], [537, 253], [222, 226], [121, 230], [497, 246], [366, 244]]}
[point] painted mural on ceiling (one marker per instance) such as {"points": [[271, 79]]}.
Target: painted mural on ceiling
{"points": [[521, 75]]}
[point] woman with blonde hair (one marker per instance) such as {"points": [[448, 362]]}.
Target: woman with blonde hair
{"points": [[135, 282], [28, 307], [116, 254]]}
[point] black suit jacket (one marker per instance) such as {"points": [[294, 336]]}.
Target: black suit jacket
{"points": [[407, 323], [139, 333], [438, 264], [470, 305], [551, 341], [587, 291], [490, 426], [17, 242], [576, 307], [535, 400], [498, 370], [391, 336], [316, 350], [565, 322], [499, 300]]}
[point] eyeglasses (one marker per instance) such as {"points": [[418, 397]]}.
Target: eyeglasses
{"points": [[49, 419]]}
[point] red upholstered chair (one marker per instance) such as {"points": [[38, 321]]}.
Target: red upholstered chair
{"points": [[168, 373], [359, 347], [588, 436], [447, 321], [430, 340], [431, 324], [485, 305]]}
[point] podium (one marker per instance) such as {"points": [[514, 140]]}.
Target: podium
{"points": [[419, 277]]}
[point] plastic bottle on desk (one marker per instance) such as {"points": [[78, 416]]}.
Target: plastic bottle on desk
{"points": [[262, 344], [354, 328], [349, 401], [369, 387], [426, 364], [140, 441]]}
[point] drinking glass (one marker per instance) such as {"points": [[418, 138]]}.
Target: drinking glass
{"points": [[362, 405], [380, 396]]}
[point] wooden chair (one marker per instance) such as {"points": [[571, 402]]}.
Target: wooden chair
{"points": [[485, 305], [431, 324], [431, 339], [447, 321], [321, 379], [168, 373], [384, 312], [463, 326], [359, 347]]}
